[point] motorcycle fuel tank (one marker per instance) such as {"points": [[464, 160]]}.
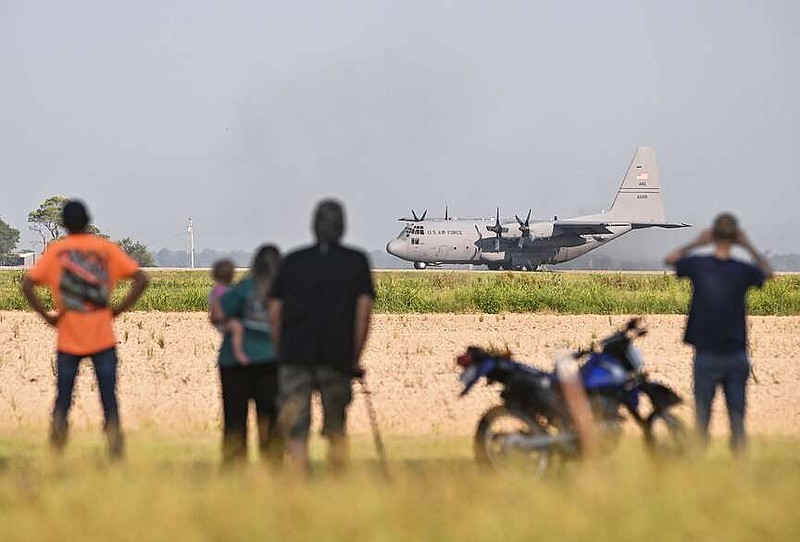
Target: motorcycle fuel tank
{"points": [[602, 370]]}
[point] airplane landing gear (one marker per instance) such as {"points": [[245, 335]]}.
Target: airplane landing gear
{"points": [[420, 265], [493, 266]]}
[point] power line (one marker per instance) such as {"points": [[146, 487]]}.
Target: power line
{"points": [[160, 239]]}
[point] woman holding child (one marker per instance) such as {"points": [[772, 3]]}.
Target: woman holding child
{"points": [[247, 362]]}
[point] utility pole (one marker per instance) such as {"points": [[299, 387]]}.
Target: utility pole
{"points": [[190, 231]]}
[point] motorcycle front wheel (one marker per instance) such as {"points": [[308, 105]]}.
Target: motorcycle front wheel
{"points": [[500, 442], [665, 435]]}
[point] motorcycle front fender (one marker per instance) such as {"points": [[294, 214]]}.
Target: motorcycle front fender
{"points": [[660, 395]]}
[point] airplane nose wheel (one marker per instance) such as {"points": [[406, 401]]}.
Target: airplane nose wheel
{"points": [[420, 265]]}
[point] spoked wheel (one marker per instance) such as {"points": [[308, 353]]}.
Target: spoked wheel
{"points": [[665, 435], [500, 443]]}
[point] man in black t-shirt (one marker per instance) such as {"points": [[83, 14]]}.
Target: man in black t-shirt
{"points": [[716, 326], [320, 308]]}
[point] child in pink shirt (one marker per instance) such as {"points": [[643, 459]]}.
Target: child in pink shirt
{"points": [[222, 272]]}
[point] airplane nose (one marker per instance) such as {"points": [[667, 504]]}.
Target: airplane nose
{"points": [[396, 247]]}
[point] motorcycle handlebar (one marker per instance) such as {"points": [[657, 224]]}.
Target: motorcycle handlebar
{"points": [[631, 330], [633, 323]]}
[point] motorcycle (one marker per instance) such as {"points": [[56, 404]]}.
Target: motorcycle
{"points": [[533, 425]]}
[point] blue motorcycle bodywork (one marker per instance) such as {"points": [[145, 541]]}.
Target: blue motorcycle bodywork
{"points": [[600, 374], [605, 374]]}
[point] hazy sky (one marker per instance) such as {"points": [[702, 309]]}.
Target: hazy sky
{"points": [[243, 114]]}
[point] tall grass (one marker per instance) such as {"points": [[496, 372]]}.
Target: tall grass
{"points": [[172, 490], [442, 291]]}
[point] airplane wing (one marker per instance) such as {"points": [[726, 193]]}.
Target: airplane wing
{"points": [[574, 227], [668, 225]]}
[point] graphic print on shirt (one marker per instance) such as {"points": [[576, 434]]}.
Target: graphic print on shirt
{"points": [[256, 316], [84, 281]]}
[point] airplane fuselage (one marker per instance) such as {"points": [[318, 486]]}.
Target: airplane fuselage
{"points": [[468, 241]]}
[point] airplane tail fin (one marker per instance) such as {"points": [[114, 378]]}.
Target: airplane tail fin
{"points": [[639, 197]]}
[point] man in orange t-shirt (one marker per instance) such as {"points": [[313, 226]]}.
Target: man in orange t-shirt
{"points": [[81, 271]]}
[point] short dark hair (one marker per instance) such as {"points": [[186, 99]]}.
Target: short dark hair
{"points": [[725, 228], [74, 216], [222, 271], [329, 221]]}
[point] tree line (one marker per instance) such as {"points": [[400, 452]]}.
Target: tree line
{"points": [[45, 221]]}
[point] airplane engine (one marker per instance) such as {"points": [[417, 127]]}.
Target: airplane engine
{"points": [[542, 230]]}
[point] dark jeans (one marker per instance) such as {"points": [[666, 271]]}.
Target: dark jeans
{"points": [[240, 384], [731, 372], [105, 369]]}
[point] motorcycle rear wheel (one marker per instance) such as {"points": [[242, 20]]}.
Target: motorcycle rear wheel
{"points": [[665, 435], [494, 449]]}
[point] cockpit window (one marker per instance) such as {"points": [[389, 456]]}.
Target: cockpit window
{"points": [[412, 229]]}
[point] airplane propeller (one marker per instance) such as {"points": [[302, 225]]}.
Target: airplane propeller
{"points": [[524, 228], [498, 230], [419, 218], [446, 217]]}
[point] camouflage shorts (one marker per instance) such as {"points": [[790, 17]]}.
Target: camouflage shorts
{"points": [[297, 383]]}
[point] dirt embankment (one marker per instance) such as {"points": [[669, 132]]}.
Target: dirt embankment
{"points": [[168, 376]]}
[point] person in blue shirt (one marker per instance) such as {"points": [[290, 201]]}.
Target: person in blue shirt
{"points": [[717, 327], [254, 376]]}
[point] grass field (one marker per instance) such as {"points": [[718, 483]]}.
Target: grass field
{"points": [[173, 490], [443, 291], [170, 487]]}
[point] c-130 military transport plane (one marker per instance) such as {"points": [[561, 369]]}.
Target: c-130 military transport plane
{"points": [[525, 245]]}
